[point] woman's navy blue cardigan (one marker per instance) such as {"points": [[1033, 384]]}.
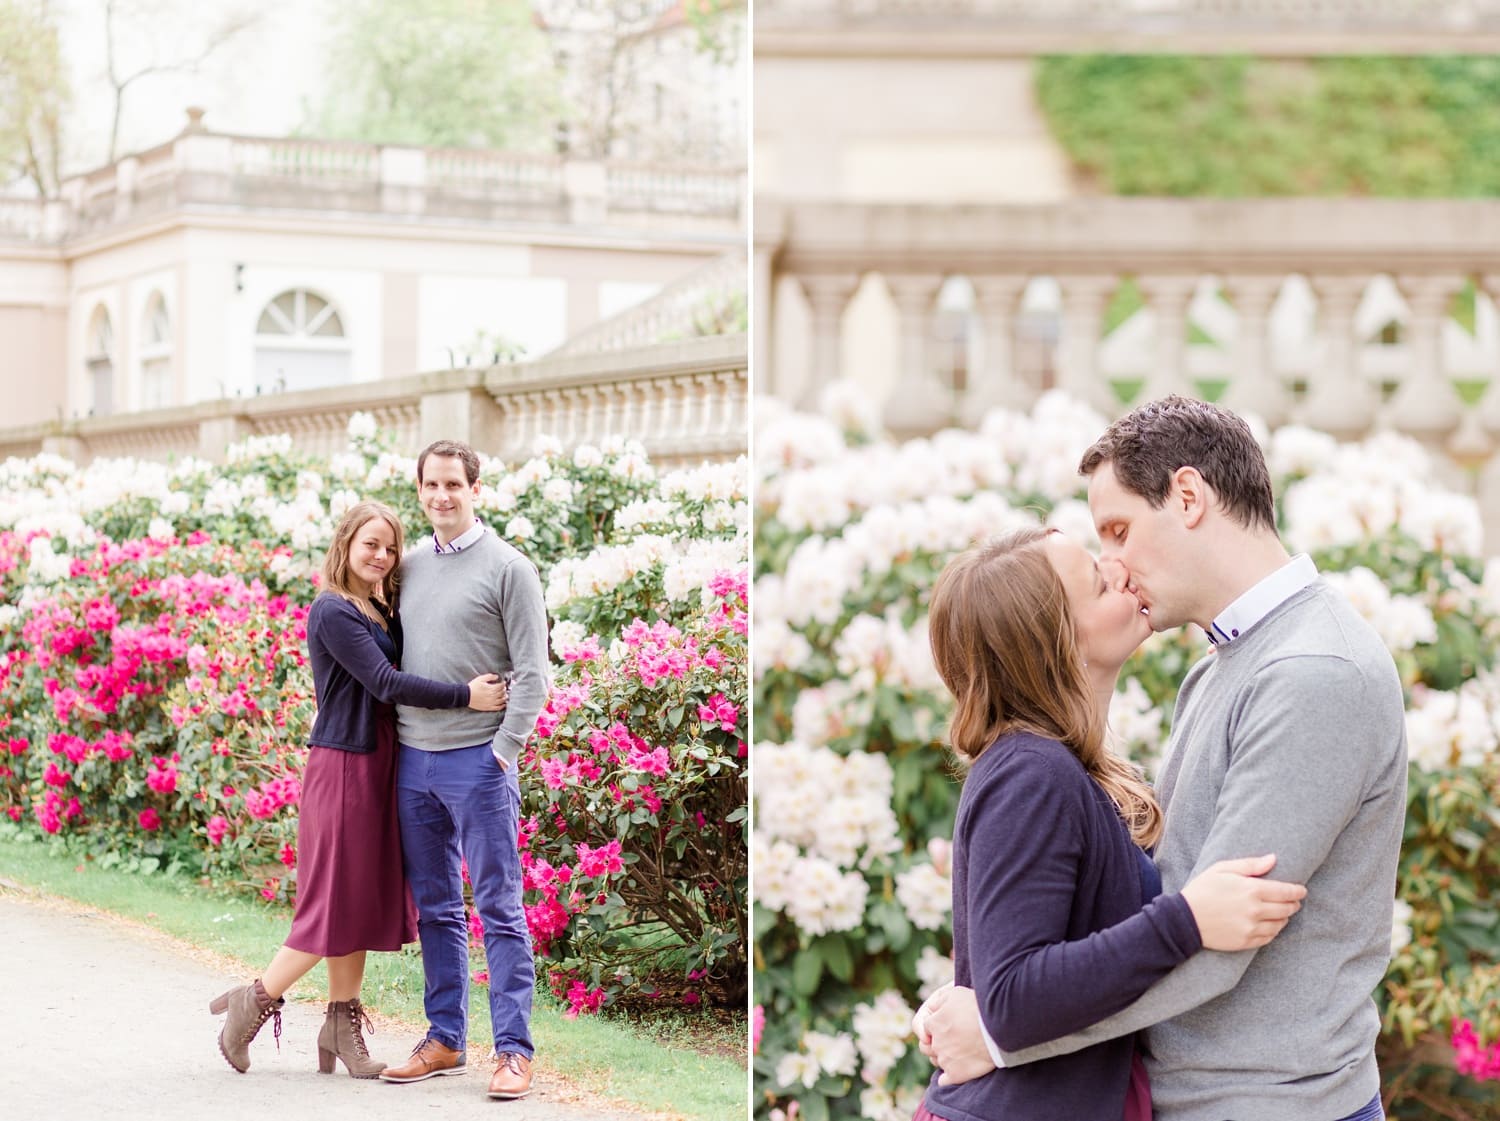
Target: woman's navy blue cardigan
{"points": [[1050, 932], [354, 678]]}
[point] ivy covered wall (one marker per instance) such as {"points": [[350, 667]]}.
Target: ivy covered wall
{"points": [[1236, 127]]}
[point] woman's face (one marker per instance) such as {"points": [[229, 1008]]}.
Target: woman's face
{"points": [[1108, 617], [372, 553]]}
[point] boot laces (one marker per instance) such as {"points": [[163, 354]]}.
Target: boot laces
{"points": [[266, 1013], [358, 1018]]}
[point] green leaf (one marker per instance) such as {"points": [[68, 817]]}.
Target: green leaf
{"points": [[807, 971]]}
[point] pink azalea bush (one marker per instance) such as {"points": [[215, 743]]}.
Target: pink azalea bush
{"points": [[633, 844], [129, 686]]}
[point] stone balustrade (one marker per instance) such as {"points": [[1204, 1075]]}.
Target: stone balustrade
{"points": [[212, 169], [685, 401], [1247, 250], [676, 311], [1214, 280]]}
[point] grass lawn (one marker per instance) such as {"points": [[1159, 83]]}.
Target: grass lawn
{"points": [[690, 1064]]}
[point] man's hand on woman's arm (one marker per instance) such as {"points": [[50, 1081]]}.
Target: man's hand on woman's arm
{"points": [[950, 1034]]}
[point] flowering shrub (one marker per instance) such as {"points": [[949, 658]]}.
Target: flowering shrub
{"points": [[129, 685], [636, 834], [854, 803], [157, 700], [635, 838]]}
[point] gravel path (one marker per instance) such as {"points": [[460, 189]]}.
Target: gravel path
{"points": [[100, 1018]]}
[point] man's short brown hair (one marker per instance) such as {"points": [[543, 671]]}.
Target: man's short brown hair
{"points": [[455, 449], [1147, 445]]}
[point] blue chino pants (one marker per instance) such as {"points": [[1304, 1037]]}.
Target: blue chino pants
{"points": [[461, 803]]}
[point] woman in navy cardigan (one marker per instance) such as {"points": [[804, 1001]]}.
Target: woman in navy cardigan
{"points": [[1058, 916], [352, 894]]}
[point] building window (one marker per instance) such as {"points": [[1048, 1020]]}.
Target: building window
{"points": [[99, 360], [156, 355], [300, 344]]}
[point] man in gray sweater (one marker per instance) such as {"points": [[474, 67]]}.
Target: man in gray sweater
{"points": [[468, 599], [1289, 739]]}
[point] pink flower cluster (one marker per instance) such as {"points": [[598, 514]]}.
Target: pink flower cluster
{"points": [[582, 999], [162, 777], [1471, 1057], [51, 812], [272, 796], [602, 861], [659, 651], [719, 710]]}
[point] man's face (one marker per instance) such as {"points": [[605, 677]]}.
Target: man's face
{"points": [[447, 496], [1151, 544]]}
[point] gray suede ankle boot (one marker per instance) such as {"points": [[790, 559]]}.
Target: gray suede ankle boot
{"points": [[341, 1037], [249, 1007]]}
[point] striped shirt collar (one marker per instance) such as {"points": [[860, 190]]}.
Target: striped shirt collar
{"points": [[462, 541], [1267, 595]]}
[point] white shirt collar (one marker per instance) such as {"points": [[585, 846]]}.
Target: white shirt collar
{"points": [[1267, 595], [462, 541]]}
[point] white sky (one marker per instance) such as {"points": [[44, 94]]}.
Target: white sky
{"points": [[256, 84]]}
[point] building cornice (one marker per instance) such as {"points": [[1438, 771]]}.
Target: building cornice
{"points": [[322, 224]]}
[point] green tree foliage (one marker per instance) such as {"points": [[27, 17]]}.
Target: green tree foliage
{"points": [[1238, 127], [446, 73], [34, 95]]}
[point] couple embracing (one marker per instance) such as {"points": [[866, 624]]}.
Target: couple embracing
{"points": [[1119, 952], [410, 774]]}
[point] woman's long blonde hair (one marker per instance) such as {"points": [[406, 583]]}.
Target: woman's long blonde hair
{"points": [[336, 575], [1005, 644]]}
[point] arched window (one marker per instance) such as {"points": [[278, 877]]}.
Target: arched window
{"points": [[300, 344], [99, 359], [156, 355]]}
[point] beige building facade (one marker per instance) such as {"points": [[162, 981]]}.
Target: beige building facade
{"points": [[218, 267]]}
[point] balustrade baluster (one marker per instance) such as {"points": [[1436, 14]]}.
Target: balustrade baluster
{"points": [[998, 384], [1426, 402], [1255, 387], [828, 297], [1168, 296], [918, 404], [1084, 299], [1338, 399]]}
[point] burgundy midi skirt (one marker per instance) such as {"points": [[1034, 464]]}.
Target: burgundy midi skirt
{"points": [[351, 886]]}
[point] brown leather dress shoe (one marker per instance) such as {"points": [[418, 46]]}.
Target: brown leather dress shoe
{"points": [[512, 1077], [428, 1058]]}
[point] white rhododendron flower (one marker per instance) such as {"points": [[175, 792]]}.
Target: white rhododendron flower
{"points": [[882, 1029], [926, 895], [520, 529], [361, 426], [827, 899], [934, 970], [559, 491], [546, 445], [797, 1068], [835, 1053], [46, 566], [1401, 927]]}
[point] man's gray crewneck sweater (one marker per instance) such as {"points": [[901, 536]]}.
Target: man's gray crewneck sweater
{"points": [[1289, 740], [466, 613]]}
